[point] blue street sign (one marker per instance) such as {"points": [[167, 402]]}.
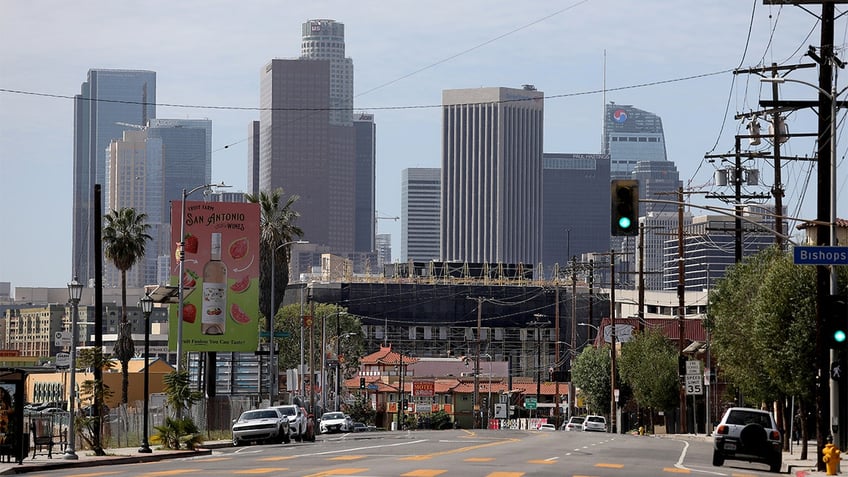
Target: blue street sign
{"points": [[820, 256]]}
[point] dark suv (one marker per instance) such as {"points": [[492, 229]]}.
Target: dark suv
{"points": [[750, 435]]}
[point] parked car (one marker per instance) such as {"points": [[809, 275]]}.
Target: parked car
{"points": [[268, 425], [334, 422], [575, 423], [750, 435], [547, 427], [595, 423], [297, 420], [359, 427]]}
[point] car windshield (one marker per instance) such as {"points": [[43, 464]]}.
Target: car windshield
{"points": [[576, 420], [595, 419], [263, 414], [748, 417], [287, 411], [332, 415]]}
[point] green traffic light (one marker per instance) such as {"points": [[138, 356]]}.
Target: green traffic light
{"points": [[839, 336], [624, 223]]}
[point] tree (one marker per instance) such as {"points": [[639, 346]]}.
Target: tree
{"points": [[648, 364], [591, 373], [93, 392], [124, 239], [177, 431], [276, 227]]}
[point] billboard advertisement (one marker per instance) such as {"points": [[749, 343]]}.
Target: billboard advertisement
{"points": [[220, 276]]}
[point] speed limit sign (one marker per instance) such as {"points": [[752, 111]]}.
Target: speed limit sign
{"points": [[694, 385]]}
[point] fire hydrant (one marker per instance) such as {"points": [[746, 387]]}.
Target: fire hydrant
{"points": [[830, 456], [641, 430]]}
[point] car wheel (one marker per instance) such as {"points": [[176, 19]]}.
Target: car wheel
{"points": [[753, 437], [237, 442], [718, 459], [774, 464]]}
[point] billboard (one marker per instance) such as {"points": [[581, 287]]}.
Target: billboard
{"points": [[220, 276]]}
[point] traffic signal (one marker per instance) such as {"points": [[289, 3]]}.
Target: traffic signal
{"points": [[361, 383], [624, 210], [836, 323]]}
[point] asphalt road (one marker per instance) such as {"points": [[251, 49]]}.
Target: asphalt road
{"points": [[501, 453]]}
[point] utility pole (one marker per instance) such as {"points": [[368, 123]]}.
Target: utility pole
{"points": [[477, 362], [681, 308], [612, 344], [641, 312]]}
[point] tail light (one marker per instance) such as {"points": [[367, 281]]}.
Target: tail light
{"points": [[774, 435], [722, 429]]}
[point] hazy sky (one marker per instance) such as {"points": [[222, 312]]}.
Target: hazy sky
{"points": [[668, 57]]}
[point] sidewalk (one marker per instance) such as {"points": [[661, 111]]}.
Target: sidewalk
{"points": [[126, 455]]}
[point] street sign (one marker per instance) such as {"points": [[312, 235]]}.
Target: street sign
{"points": [[62, 338], [694, 385], [63, 360], [277, 334], [693, 367], [820, 255], [530, 403]]}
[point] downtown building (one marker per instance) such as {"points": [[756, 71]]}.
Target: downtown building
{"points": [[311, 144], [420, 210], [147, 170], [108, 99], [492, 143]]}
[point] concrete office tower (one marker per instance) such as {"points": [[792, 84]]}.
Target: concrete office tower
{"points": [[134, 180], [421, 191], [306, 155], [107, 98], [324, 40], [492, 175], [365, 138], [576, 199], [630, 136]]}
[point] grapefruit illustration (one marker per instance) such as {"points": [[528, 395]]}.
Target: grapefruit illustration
{"points": [[238, 315], [239, 248], [241, 285]]}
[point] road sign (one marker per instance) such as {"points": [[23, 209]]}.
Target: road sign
{"points": [[530, 403], [694, 384], [62, 338], [63, 360], [693, 367], [820, 255]]}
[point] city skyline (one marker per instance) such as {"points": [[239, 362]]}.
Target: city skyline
{"points": [[678, 68]]}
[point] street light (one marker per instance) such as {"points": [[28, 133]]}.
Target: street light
{"points": [[181, 243], [74, 296], [146, 304], [538, 324], [272, 366]]}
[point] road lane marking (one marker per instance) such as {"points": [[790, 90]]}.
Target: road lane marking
{"points": [[479, 459], [217, 459], [168, 472], [261, 470], [676, 470], [278, 458], [342, 471], [424, 473], [610, 466], [347, 457], [460, 449], [541, 461], [506, 474]]}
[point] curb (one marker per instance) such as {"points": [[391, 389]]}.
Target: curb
{"points": [[104, 460]]}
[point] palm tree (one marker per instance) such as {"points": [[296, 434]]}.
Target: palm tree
{"points": [[124, 238], [277, 227]]}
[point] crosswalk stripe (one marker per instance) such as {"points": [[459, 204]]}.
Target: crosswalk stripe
{"points": [[610, 466]]}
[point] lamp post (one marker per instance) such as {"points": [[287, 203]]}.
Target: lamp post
{"points": [[272, 366], [146, 304], [74, 296], [181, 290]]}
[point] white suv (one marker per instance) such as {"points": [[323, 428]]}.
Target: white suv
{"points": [[750, 435], [297, 420]]}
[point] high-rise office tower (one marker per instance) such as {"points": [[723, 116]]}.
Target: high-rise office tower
{"points": [[658, 180], [253, 157], [187, 145], [107, 98], [421, 191], [631, 135], [492, 175], [365, 143], [324, 40], [306, 155], [576, 217]]}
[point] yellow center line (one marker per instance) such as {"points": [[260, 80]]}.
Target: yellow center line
{"points": [[347, 457], [261, 470], [506, 474], [217, 459], [460, 449], [541, 461], [274, 459], [424, 473], [676, 470], [610, 466], [341, 471], [479, 459]]}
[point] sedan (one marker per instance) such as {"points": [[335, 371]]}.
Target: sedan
{"points": [[574, 424], [334, 422], [595, 423], [268, 425]]}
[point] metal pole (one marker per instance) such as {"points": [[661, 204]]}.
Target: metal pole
{"points": [[477, 362], [338, 359], [612, 342], [271, 327], [145, 446], [181, 294], [70, 454]]}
